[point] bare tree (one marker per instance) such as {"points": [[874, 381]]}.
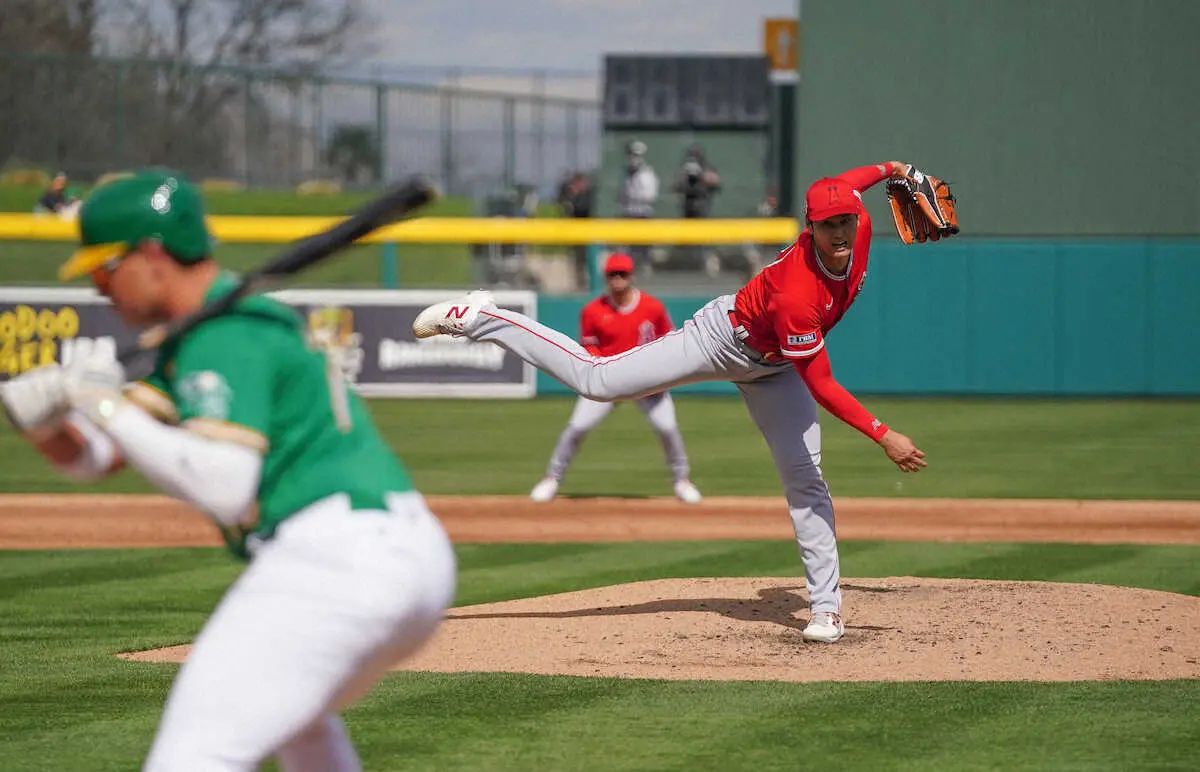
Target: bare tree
{"points": [[277, 33], [29, 30], [190, 78], [49, 26], [202, 40]]}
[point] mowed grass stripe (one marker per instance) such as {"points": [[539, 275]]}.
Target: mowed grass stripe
{"points": [[602, 565], [1003, 448], [564, 723]]}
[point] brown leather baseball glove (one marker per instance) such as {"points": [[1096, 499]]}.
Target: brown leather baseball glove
{"points": [[923, 208]]}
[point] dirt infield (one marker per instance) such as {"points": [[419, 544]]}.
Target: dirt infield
{"points": [[898, 629], [78, 521]]}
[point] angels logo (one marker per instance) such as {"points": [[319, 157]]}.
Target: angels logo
{"points": [[646, 332], [331, 331]]}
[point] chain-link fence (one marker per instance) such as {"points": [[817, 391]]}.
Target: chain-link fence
{"points": [[90, 115]]}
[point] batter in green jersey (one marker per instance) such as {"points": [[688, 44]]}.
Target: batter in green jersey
{"points": [[249, 420], [251, 377]]}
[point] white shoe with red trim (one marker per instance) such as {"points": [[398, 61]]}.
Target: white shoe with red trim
{"points": [[545, 490], [451, 317], [825, 627]]}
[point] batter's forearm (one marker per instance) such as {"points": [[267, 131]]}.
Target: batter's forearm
{"points": [[218, 478], [78, 448]]}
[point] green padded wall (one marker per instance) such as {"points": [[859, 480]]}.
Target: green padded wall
{"points": [[1052, 117], [1053, 317]]}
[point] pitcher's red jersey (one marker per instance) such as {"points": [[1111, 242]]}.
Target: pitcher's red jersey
{"points": [[790, 305]]}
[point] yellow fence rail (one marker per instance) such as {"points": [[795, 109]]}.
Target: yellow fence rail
{"points": [[458, 230]]}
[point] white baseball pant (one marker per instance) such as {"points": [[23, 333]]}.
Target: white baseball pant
{"points": [[322, 612], [659, 410], [704, 349]]}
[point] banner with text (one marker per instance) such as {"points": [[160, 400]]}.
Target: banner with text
{"points": [[369, 331]]}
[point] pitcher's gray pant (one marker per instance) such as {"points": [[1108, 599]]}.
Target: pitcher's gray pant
{"points": [[659, 409], [704, 349]]}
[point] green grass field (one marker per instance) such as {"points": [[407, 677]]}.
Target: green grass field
{"points": [[420, 265], [259, 201], [1002, 448], [69, 704]]}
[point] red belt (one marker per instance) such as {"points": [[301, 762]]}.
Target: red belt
{"points": [[749, 341]]}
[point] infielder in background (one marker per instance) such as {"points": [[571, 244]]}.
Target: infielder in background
{"points": [[348, 570], [623, 318], [769, 339]]}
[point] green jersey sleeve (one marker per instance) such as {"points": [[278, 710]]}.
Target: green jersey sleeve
{"points": [[223, 378]]}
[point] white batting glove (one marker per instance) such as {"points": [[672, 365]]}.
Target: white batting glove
{"points": [[35, 399], [93, 386]]}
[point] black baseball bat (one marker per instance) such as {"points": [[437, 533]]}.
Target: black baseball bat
{"points": [[394, 205]]}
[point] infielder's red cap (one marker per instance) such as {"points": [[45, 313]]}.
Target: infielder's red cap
{"points": [[830, 197], [619, 263]]}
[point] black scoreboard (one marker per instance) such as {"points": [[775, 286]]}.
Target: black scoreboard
{"points": [[686, 92]]}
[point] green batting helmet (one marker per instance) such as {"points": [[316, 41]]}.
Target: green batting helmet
{"points": [[155, 204]]}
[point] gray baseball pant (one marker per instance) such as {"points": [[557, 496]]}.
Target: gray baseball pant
{"points": [[704, 349], [659, 410]]}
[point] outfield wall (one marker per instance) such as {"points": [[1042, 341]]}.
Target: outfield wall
{"points": [[1064, 118], [1070, 317]]}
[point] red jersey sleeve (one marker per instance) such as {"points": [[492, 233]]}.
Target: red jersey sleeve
{"points": [[589, 332], [831, 395], [798, 328], [865, 176]]}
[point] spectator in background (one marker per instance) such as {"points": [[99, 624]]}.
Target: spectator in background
{"points": [[696, 183], [575, 199], [56, 199], [769, 206], [639, 191], [527, 200], [575, 195], [757, 254]]}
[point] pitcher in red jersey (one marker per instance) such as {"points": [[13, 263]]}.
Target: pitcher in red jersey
{"points": [[768, 339], [621, 319]]}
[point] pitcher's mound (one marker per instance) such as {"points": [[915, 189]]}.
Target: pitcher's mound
{"points": [[898, 629]]}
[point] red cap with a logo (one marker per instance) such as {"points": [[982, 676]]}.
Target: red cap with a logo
{"points": [[830, 197], [619, 263]]}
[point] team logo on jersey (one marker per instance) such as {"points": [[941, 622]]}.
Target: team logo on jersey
{"points": [[802, 340], [646, 332], [205, 394]]}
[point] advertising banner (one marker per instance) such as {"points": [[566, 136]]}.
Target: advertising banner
{"points": [[368, 331]]}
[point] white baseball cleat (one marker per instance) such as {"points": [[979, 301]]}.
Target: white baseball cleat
{"points": [[544, 491], [687, 493], [825, 627], [451, 317]]}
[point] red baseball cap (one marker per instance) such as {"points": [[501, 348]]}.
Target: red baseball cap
{"points": [[619, 262], [830, 197]]}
